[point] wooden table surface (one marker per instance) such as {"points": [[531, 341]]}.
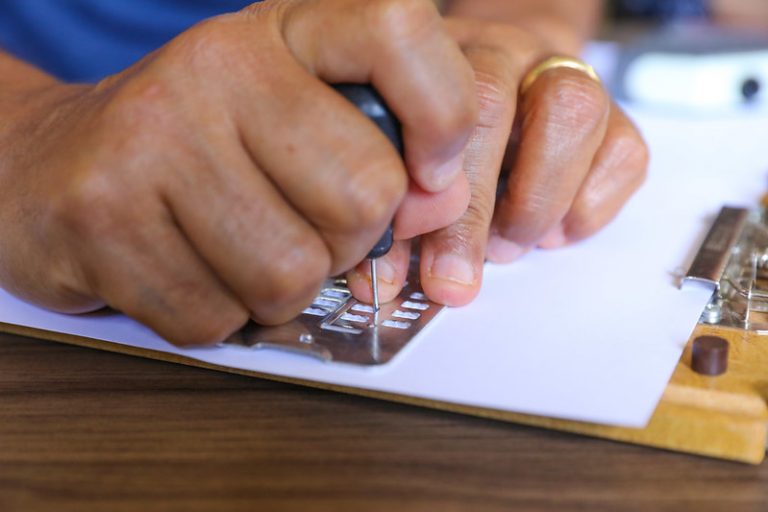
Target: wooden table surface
{"points": [[87, 430]]}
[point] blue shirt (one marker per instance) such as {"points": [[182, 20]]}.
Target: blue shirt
{"points": [[85, 40], [664, 10]]}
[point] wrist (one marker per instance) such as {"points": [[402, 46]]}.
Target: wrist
{"points": [[31, 107], [29, 120], [25, 90]]}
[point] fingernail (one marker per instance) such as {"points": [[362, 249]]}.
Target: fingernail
{"points": [[385, 271], [441, 176], [501, 250], [554, 239], [451, 267]]}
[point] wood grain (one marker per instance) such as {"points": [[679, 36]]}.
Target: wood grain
{"points": [[724, 417], [87, 430]]}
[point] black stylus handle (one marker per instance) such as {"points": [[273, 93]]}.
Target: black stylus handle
{"points": [[372, 105]]}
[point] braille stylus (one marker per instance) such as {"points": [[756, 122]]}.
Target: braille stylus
{"points": [[372, 105]]}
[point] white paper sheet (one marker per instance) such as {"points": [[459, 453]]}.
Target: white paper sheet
{"points": [[590, 333]]}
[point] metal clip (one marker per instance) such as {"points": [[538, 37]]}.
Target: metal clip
{"points": [[734, 258]]}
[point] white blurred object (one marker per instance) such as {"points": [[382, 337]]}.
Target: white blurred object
{"points": [[710, 81], [695, 69]]}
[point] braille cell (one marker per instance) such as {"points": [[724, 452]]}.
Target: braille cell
{"points": [[326, 302], [335, 293], [396, 325], [346, 329], [315, 312], [408, 315], [420, 306], [359, 319]]}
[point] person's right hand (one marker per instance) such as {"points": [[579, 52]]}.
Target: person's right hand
{"points": [[221, 178]]}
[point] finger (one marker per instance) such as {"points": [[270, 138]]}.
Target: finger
{"points": [[452, 258], [152, 274], [328, 160], [619, 169], [391, 271], [261, 248], [423, 212], [563, 120], [402, 48]]}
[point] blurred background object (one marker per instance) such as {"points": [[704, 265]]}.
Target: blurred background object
{"points": [[693, 55], [659, 11], [750, 14]]}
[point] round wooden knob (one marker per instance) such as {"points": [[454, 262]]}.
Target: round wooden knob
{"points": [[710, 355]]}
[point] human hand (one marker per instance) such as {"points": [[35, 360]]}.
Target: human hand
{"points": [[221, 178], [573, 160]]}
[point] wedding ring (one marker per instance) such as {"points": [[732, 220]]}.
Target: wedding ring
{"points": [[554, 63]]}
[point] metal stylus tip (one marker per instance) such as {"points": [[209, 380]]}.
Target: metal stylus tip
{"points": [[374, 286]]}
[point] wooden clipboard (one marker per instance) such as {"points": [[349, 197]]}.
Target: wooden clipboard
{"points": [[723, 417]]}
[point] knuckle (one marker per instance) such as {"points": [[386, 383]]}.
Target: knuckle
{"points": [[453, 114], [631, 153], [211, 329], [527, 217], [371, 196], [578, 102], [258, 8], [472, 228], [480, 210], [89, 207], [183, 314], [214, 44], [402, 21], [292, 281], [583, 224], [495, 99], [138, 109]]}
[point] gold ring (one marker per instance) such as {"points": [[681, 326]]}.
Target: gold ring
{"points": [[554, 63]]}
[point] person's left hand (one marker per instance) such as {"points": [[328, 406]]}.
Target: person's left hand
{"points": [[573, 160]]}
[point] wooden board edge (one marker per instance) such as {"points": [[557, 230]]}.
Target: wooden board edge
{"points": [[741, 439]]}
